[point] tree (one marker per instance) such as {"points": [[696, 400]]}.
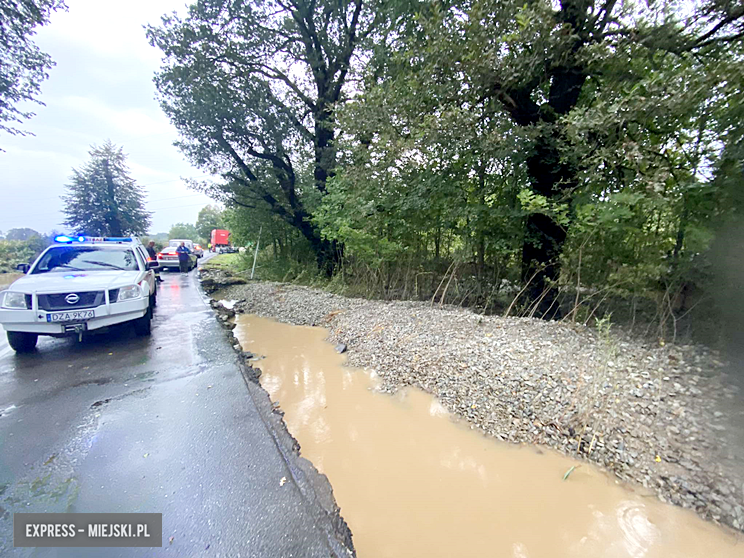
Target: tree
{"points": [[561, 76], [23, 67], [252, 88], [21, 234], [102, 199], [210, 217], [184, 231]]}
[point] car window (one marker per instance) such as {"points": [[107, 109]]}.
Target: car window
{"points": [[85, 258], [142, 257]]}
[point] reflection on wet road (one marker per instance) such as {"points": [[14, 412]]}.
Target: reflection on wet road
{"points": [[412, 482]]}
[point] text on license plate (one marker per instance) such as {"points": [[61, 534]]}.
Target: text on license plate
{"points": [[70, 316]]}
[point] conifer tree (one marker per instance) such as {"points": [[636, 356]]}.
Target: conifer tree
{"points": [[102, 199]]}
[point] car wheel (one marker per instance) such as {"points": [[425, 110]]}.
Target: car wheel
{"points": [[22, 342], [154, 299], [143, 325]]}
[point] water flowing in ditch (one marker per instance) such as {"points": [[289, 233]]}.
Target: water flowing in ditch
{"points": [[413, 482]]}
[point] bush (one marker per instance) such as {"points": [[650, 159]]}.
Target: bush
{"points": [[14, 252]]}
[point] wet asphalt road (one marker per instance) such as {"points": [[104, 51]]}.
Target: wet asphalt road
{"points": [[166, 424]]}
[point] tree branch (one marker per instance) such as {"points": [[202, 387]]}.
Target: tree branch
{"points": [[280, 76], [704, 40], [235, 157], [275, 206]]}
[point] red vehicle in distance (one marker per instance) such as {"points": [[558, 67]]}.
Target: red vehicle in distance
{"points": [[220, 239]]}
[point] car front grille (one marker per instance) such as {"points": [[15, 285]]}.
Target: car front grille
{"points": [[58, 301]]}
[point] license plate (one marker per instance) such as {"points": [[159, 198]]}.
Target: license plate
{"points": [[73, 316]]}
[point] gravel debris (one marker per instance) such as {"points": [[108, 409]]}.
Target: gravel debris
{"points": [[651, 415]]}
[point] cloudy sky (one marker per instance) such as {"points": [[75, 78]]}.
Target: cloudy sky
{"points": [[101, 88]]}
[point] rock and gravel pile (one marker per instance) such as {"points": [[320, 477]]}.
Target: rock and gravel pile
{"points": [[652, 415]]}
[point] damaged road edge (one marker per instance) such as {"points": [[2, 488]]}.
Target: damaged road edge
{"points": [[313, 485]]}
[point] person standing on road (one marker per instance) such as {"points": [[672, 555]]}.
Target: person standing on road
{"points": [[183, 257], [154, 257]]}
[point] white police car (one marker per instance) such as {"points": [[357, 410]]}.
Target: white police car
{"points": [[80, 284]]}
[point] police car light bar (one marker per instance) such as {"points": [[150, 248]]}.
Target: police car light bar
{"points": [[63, 238]]}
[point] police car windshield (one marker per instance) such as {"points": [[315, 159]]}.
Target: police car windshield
{"points": [[85, 258]]}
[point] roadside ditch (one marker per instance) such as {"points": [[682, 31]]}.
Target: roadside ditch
{"points": [[652, 416]]}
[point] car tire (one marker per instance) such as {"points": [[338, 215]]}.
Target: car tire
{"points": [[153, 300], [143, 325], [22, 342]]}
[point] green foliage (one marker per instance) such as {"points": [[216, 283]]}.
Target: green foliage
{"points": [[102, 199], [184, 231], [251, 87], [565, 159], [594, 135], [23, 66], [14, 252], [21, 234], [561, 106], [210, 218], [532, 202]]}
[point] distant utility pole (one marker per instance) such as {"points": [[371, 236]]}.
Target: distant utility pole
{"points": [[255, 254]]}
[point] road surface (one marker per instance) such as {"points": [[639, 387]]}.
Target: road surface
{"points": [[163, 424]]}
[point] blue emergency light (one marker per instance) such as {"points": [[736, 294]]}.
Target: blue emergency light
{"points": [[63, 238]]}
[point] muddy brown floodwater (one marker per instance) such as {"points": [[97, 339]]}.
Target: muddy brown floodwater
{"points": [[412, 481]]}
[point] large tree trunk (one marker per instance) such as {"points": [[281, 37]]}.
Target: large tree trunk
{"points": [[544, 237], [549, 175], [327, 253], [325, 151]]}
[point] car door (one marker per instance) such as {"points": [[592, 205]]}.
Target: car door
{"points": [[149, 273]]}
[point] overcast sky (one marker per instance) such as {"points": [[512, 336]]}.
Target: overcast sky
{"points": [[101, 88]]}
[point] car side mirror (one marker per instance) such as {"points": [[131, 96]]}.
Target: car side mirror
{"points": [[153, 264], [23, 268]]}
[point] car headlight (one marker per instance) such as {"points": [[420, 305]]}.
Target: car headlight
{"points": [[129, 292], [15, 300]]}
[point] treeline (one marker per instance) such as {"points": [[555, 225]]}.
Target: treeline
{"points": [[19, 246], [560, 161], [210, 217]]}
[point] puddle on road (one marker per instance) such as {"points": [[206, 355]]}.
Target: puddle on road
{"points": [[412, 482]]}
